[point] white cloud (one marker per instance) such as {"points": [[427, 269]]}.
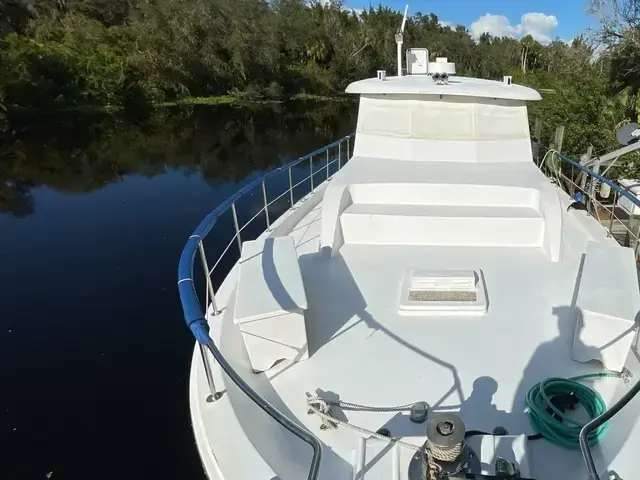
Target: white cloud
{"points": [[445, 24], [496, 25], [538, 25], [356, 11]]}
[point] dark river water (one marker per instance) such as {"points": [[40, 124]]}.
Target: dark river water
{"points": [[94, 212]]}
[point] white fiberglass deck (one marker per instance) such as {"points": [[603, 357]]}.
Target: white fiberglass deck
{"points": [[363, 351]]}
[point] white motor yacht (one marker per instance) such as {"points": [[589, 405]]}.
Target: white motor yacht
{"points": [[435, 307]]}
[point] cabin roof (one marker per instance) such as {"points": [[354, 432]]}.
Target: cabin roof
{"points": [[460, 86]]}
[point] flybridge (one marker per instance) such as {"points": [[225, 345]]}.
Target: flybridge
{"points": [[454, 119]]}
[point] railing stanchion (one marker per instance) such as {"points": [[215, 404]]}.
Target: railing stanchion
{"points": [[235, 224], [328, 163], [266, 204], [339, 153], [611, 213], [214, 394], [210, 292], [593, 184], [311, 171], [290, 187]]}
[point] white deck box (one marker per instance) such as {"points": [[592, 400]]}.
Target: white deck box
{"points": [[607, 306], [270, 302]]}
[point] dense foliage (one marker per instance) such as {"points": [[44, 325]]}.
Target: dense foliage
{"points": [[131, 54]]}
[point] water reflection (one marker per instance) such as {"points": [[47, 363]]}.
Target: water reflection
{"points": [[80, 154]]}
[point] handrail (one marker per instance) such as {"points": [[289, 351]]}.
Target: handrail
{"points": [[195, 316], [589, 193], [597, 422], [622, 190]]}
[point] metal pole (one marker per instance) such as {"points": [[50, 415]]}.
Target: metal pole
{"points": [[348, 149], [214, 394], [205, 265], [589, 154], [584, 159], [266, 205], [311, 171], [613, 207], [592, 186], [328, 163], [339, 153], [559, 137], [290, 187], [537, 130], [635, 249], [235, 223]]}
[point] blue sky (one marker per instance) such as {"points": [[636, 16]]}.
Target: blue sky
{"points": [[506, 16]]}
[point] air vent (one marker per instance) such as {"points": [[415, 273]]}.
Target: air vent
{"points": [[443, 292]]}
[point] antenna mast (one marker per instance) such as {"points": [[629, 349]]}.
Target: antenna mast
{"points": [[399, 40]]}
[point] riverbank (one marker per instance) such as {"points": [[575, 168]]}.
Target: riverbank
{"points": [[238, 100], [183, 102]]}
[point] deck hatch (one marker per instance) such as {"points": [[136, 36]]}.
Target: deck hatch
{"points": [[443, 292]]}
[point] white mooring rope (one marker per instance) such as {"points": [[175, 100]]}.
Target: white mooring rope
{"points": [[321, 408], [446, 454]]}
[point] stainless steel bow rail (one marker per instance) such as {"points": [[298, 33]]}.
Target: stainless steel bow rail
{"points": [[194, 312]]}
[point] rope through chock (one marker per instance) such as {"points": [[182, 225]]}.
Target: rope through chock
{"points": [[322, 408]]}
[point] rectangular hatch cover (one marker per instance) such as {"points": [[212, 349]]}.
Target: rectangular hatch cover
{"points": [[443, 292]]}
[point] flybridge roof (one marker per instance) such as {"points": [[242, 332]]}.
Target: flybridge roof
{"points": [[459, 86]]}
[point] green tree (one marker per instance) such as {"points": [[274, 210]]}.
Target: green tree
{"points": [[132, 53]]}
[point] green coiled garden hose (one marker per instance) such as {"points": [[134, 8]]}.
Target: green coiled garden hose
{"points": [[558, 427]]}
